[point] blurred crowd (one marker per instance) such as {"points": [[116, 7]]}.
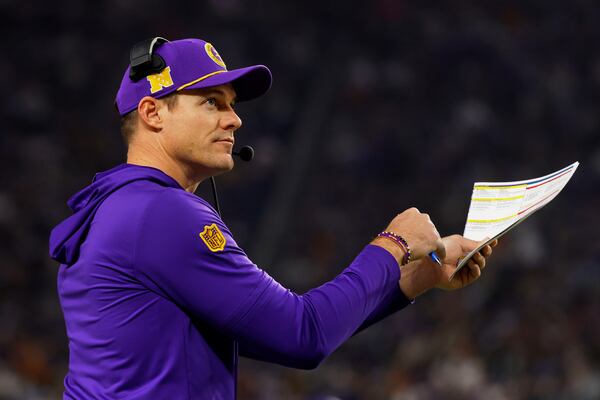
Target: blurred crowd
{"points": [[425, 98]]}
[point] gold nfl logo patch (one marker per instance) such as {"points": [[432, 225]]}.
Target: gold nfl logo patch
{"points": [[213, 237]]}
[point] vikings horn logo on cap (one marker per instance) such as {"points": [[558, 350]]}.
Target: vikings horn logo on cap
{"points": [[214, 55]]}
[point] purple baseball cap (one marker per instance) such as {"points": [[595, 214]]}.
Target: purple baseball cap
{"points": [[191, 64]]}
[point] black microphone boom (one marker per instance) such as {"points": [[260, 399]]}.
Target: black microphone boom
{"points": [[246, 153]]}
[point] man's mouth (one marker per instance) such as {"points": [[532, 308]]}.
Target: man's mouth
{"points": [[227, 140]]}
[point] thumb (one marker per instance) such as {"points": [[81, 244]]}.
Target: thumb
{"points": [[440, 249]]}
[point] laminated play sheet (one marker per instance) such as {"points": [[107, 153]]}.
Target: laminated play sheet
{"points": [[497, 207]]}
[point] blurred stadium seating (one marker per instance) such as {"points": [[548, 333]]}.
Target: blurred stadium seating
{"points": [[383, 105]]}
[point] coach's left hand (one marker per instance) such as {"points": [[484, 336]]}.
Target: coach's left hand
{"points": [[420, 276]]}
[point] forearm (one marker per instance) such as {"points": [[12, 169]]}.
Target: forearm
{"points": [[300, 331], [395, 301]]}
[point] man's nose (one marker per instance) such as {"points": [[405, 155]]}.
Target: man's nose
{"points": [[231, 121]]}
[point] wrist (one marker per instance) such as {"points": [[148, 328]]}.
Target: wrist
{"points": [[399, 241], [416, 279], [392, 248]]}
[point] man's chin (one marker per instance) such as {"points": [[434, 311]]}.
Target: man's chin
{"points": [[223, 167]]}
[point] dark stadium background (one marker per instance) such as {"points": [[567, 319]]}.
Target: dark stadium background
{"points": [[376, 106]]}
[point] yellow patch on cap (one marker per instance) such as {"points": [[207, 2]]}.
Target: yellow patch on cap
{"points": [[213, 237], [161, 80], [214, 55]]}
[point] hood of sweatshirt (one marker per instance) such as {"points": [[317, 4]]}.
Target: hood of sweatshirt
{"points": [[67, 237]]}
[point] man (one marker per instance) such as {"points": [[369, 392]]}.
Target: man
{"points": [[158, 298]]}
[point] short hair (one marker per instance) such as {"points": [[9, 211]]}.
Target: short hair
{"points": [[129, 120]]}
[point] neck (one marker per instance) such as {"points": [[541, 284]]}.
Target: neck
{"points": [[150, 157]]}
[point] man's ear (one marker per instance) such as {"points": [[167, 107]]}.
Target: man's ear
{"points": [[148, 111]]}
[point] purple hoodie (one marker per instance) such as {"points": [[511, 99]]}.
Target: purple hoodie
{"points": [[158, 297]]}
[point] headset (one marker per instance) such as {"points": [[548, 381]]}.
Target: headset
{"points": [[143, 62]]}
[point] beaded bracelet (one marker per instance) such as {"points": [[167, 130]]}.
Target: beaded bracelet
{"points": [[399, 240]]}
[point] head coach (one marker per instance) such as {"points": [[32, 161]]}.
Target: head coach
{"points": [[157, 296]]}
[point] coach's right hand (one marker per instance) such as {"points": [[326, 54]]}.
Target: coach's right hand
{"points": [[418, 231]]}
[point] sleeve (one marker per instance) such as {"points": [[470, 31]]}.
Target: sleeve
{"points": [[393, 302], [186, 253]]}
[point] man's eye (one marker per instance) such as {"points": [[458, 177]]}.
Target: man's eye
{"points": [[211, 101]]}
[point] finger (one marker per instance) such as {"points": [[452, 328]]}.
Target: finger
{"points": [[476, 273], [493, 243], [473, 271], [486, 251], [479, 260], [474, 268]]}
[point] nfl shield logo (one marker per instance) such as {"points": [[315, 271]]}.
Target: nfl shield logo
{"points": [[213, 238]]}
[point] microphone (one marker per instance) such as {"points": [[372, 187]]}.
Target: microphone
{"points": [[246, 153]]}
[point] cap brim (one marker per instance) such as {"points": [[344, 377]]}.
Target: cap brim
{"points": [[248, 83]]}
